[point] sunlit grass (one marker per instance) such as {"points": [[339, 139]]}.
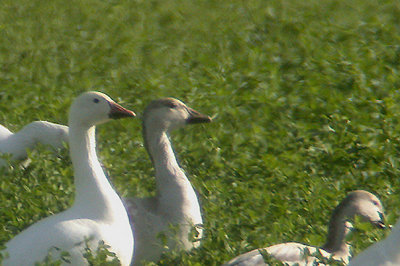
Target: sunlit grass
{"points": [[304, 94]]}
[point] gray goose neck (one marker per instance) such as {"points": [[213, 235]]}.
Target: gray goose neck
{"points": [[159, 148], [335, 242]]}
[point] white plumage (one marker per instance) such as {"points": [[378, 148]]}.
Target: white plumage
{"points": [[97, 213], [18, 143]]}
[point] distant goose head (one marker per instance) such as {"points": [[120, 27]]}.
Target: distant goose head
{"points": [[361, 203], [170, 113], [93, 108], [366, 205]]}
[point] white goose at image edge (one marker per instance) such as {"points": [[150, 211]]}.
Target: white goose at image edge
{"points": [[382, 253], [97, 214]]}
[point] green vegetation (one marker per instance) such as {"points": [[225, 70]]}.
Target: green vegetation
{"points": [[304, 94]]}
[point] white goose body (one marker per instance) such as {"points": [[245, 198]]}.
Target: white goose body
{"points": [[382, 253], [97, 214], [4, 133], [175, 203], [358, 202], [43, 132]]}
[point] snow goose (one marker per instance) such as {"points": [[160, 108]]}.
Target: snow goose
{"points": [[175, 202], [358, 202], [43, 132], [383, 253], [97, 213]]}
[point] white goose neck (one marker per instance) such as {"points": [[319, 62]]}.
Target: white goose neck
{"points": [[93, 191]]}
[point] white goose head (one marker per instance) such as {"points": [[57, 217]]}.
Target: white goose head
{"points": [[93, 108], [170, 113], [366, 205]]}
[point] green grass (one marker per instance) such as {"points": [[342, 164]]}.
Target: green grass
{"points": [[304, 94]]}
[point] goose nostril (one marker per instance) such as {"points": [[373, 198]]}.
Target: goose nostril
{"points": [[381, 215]]}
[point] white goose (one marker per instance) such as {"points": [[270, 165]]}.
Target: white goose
{"points": [[358, 202], [97, 213], [43, 132], [383, 253], [175, 202]]}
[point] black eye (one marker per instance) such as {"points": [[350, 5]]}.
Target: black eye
{"points": [[172, 105], [95, 100]]}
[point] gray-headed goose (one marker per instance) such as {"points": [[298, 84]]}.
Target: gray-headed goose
{"points": [[175, 202], [97, 214], [358, 202], [43, 132]]}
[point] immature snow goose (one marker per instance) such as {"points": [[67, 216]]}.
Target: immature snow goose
{"points": [[175, 202], [97, 213], [383, 253], [43, 132], [358, 202]]}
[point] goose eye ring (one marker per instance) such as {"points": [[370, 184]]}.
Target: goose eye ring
{"points": [[95, 100]]}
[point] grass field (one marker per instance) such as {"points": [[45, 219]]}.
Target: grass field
{"points": [[304, 96]]}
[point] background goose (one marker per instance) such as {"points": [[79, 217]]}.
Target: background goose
{"points": [[383, 253], [43, 132], [175, 202], [358, 202], [97, 213]]}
